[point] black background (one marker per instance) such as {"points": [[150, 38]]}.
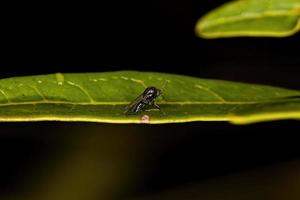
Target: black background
{"points": [[147, 36]]}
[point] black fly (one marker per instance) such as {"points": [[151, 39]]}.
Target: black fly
{"points": [[143, 101]]}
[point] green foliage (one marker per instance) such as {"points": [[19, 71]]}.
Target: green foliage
{"points": [[272, 18], [102, 97]]}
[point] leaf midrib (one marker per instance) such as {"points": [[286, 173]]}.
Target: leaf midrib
{"points": [[160, 103]]}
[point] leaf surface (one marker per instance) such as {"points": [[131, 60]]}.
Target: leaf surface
{"points": [[272, 18], [102, 97]]}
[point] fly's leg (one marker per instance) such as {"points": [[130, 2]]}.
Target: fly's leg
{"points": [[155, 107]]}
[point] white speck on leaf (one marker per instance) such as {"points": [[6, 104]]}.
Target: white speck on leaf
{"points": [[145, 119], [59, 78]]}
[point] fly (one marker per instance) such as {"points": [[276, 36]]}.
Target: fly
{"points": [[146, 99]]}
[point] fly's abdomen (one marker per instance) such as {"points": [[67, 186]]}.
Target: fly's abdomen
{"points": [[139, 107]]}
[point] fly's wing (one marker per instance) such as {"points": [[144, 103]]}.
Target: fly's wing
{"points": [[131, 108]]}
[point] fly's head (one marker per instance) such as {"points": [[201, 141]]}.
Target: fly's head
{"points": [[151, 93]]}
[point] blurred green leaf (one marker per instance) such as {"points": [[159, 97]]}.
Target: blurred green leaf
{"points": [[102, 97], [272, 18]]}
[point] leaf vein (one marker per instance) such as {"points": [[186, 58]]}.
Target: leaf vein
{"points": [[83, 90], [5, 95], [139, 81], [38, 92], [210, 91]]}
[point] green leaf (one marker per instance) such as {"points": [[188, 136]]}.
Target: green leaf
{"points": [[272, 18], [102, 97]]}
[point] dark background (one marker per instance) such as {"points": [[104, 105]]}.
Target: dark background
{"points": [[146, 36]]}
